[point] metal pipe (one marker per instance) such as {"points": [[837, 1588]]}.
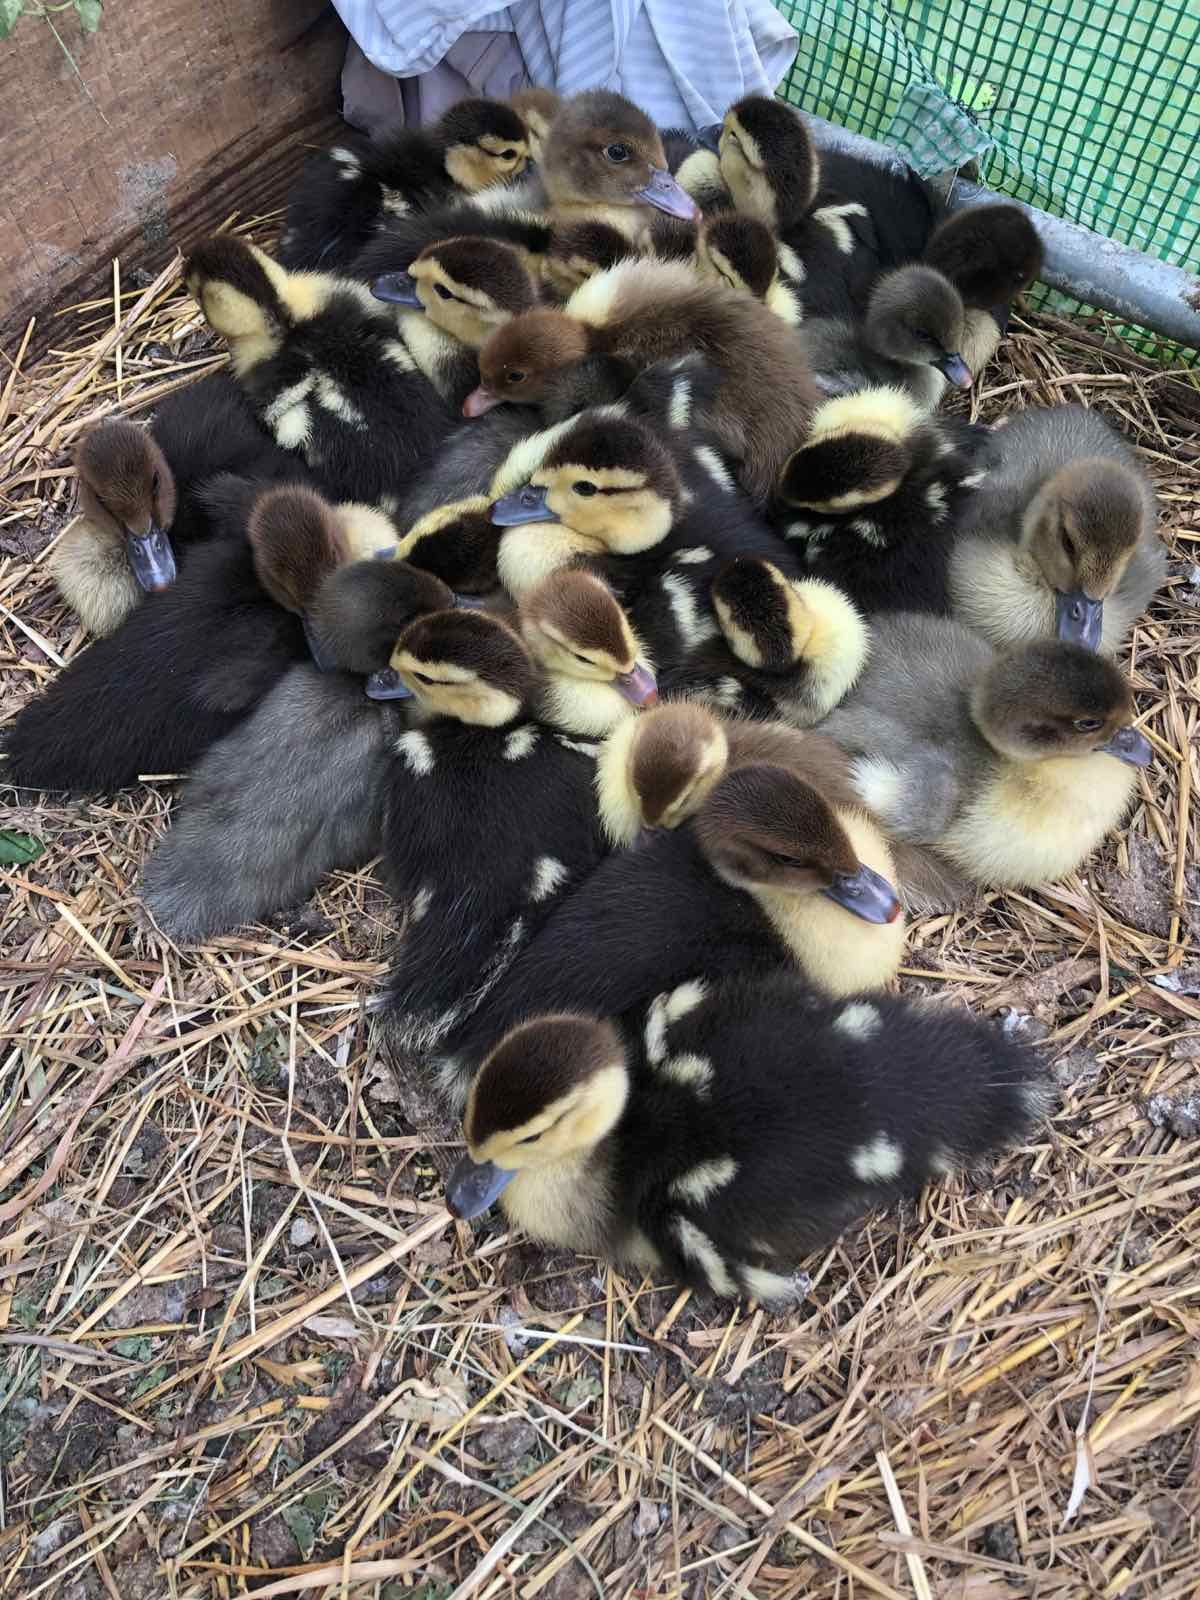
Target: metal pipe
{"points": [[1113, 277]]}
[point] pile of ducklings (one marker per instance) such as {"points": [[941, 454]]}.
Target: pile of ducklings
{"points": [[575, 530]]}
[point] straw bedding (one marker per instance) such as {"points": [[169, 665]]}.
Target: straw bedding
{"points": [[239, 1334]]}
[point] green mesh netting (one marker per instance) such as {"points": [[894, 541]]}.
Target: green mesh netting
{"points": [[1089, 109]]}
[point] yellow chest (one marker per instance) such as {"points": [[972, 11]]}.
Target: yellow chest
{"points": [[534, 550], [566, 1203], [996, 596]]}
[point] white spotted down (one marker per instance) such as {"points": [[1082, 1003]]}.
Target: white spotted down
{"points": [[858, 1020], [877, 1161], [698, 1247], [520, 742], [548, 875], [416, 752]]}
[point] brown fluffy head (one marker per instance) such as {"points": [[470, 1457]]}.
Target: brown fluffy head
{"points": [[1048, 698], [677, 754], [740, 251], [472, 286], [520, 359], [537, 109], [990, 253], [485, 142], [600, 148], [457, 543], [467, 665], [573, 623], [1084, 524], [297, 542], [360, 610], [762, 827], [125, 483], [768, 161], [915, 315]]}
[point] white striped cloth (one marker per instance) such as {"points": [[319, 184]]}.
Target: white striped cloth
{"points": [[682, 61]]}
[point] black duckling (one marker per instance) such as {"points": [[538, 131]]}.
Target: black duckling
{"points": [[1013, 765], [1060, 537], [325, 368], [991, 254], [744, 886], [875, 495], [138, 495], [744, 1126], [537, 109], [295, 791], [347, 191], [597, 671], [649, 311], [910, 338], [489, 817]]}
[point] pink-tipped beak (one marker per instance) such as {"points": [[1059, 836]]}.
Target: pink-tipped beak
{"points": [[640, 686], [478, 401]]}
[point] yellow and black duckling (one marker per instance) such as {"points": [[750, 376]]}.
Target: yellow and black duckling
{"points": [[597, 670], [347, 191], [578, 250], [295, 791], [141, 495], [910, 337], [743, 1125], [1013, 765], [644, 312], [743, 253], [489, 264], [743, 886], [489, 816], [1060, 537], [183, 669], [537, 109], [991, 254], [875, 495], [325, 369]]}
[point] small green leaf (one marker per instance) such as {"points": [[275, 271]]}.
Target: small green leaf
{"points": [[88, 12], [150, 1380], [10, 11], [135, 1347], [17, 848], [304, 1529]]}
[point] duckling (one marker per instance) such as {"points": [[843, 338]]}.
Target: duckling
{"points": [[183, 669], [1060, 538], [489, 816], [748, 885], [138, 495], [603, 159], [875, 495], [1012, 764], [646, 311], [345, 192], [393, 248], [911, 338], [578, 250], [468, 286], [537, 109], [744, 1125], [597, 672], [743, 253], [324, 369], [991, 254]]}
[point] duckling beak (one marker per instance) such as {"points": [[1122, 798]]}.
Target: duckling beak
{"points": [[1078, 618], [470, 602], [398, 289], [480, 400], [867, 894], [322, 660], [527, 504], [1128, 745], [710, 138], [151, 558], [665, 194], [955, 369], [639, 686], [474, 1187], [387, 684]]}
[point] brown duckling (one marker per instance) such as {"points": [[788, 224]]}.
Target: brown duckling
{"points": [[740, 1126], [1013, 765], [991, 254], [1060, 537], [597, 672], [649, 311]]}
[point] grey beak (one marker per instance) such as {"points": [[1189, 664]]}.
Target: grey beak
{"points": [[386, 684], [151, 558], [470, 602], [665, 194], [474, 1187], [1078, 618], [398, 289], [640, 687], [1128, 745], [955, 369], [527, 504], [710, 138], [867, 894]]}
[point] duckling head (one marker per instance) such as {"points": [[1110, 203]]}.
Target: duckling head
{"points": [[1080, 530], [574, 626], [520, 360], [763, 617], [601, 148], [360, 610], [657, 770], [768, 161], [127, 491], [297, 539], [859, 450], [916, 315], [606, 478], [467, 287], [990, 254], [485, 141], [578, 250], [739, 251], [242, 294], [764, 828], [537, 109], [1048, 699], [467, 665], [549, 1092]]}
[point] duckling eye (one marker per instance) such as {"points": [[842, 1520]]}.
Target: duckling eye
{"points": [[422, 677], [154, 483], [515, 375], [924, 335], [617, 152], [1068, 545], [583, 487], [508, 155], [1088, 724], [442, 292], [781, 860], [530, 1138]]}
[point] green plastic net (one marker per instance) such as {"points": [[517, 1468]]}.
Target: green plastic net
{"points": [[1089, 109]]}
